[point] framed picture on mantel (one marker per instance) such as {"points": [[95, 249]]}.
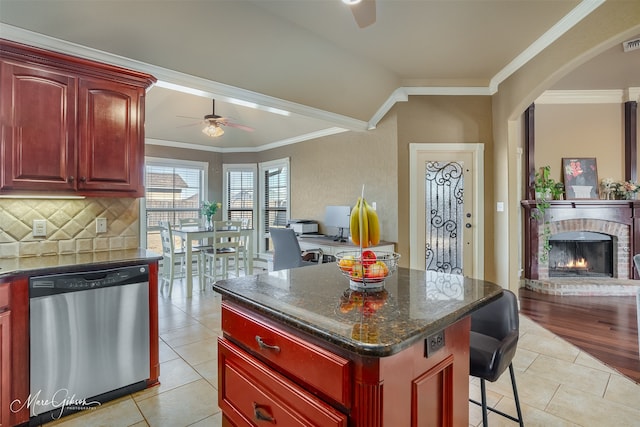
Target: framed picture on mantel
{"points": [[580, 178]]}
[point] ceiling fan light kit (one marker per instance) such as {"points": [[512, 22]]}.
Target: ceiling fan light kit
{"points": [[364, 11], [213, 130]]}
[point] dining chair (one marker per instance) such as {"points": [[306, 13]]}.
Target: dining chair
{"points": [[171, 256], [493, 344], [226, 246], [244, 239], [286, 250], [193, 222]]}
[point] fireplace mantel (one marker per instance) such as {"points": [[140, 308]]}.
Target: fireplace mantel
{"points": [[626, 212]]}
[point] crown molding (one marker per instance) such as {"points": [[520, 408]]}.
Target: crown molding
{"points": [[616, 96], [182, 82], [567, 22], [275, 144], [633, 94]]}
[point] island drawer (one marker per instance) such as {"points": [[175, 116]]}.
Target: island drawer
{"points": [[251, 393], [319, 368]]}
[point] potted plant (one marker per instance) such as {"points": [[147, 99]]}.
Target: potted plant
{"points": [[546, 189], [209, 209], [543, 184]]}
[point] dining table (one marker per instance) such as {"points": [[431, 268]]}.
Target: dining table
{"points": [[199, 233]]}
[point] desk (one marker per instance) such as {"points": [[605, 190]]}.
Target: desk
{"points": [[331, 247], [189, 234]]}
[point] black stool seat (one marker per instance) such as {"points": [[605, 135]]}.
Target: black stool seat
{"points": [[493, 344]]}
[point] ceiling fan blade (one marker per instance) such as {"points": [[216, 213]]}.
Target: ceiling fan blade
{"points": [[200, 122], [238, 126], [364, 12]]}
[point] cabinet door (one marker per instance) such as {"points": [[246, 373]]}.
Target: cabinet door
{"points": [[37, 114], [110, 149], [5, 368]]}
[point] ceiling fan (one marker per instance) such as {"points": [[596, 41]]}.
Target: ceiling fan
{"points": [[364, 11], [214, 123]]}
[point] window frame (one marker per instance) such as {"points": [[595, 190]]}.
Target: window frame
{"points": [[241, 167], [172, 163], [262, 168]]}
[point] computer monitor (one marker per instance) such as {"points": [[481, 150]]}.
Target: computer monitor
{"points": [[338, 217]]}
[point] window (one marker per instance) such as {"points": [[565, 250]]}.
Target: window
{"points": [[239, 198], [274, 184], [174, 189]]}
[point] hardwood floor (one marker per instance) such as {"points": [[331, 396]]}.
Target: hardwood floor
{"points": [[606, 327]]}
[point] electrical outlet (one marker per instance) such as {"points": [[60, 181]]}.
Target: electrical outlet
{"points": [[101, 225], [39, 228], [433, 343]]}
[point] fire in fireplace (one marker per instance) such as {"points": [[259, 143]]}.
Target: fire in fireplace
{"points": [[581, 253]]}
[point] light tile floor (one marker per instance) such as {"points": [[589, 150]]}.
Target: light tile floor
{"points": [[559, 385]]}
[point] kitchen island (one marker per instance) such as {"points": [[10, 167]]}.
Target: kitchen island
{"points": [[299, 346]]}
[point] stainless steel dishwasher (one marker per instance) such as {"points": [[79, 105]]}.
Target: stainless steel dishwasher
{"points": [[89, 336]]}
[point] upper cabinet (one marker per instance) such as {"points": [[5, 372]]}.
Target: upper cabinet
{"points": [[70, 125]]}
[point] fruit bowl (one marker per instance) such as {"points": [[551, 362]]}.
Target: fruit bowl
{"points": [[367, 269]]}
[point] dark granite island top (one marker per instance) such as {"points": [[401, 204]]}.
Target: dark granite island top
{"points": [[317, 300]]}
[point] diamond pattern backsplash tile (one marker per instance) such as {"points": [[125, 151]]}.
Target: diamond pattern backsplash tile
{"points": [[71, 226]]}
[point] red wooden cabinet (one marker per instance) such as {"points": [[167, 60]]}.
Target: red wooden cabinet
{"points": [[254, 394], [70, 125], [109, 144], [38, 114], [14, 352], [271, 373]]}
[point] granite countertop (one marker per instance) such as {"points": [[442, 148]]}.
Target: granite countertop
{"points": [[317, 300], [65, 263]]}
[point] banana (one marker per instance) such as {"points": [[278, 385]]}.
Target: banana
{"points": [[355, 222], [364, 225], [374, 224]]}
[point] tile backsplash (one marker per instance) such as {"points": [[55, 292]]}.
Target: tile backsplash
{"points": [[71, 226]]}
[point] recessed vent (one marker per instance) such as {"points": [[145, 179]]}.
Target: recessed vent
{"points": [[630, 45]]}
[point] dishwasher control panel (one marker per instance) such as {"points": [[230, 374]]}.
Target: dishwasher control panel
{"points": [[85, 280]]}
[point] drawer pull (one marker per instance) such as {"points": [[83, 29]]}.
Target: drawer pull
{"points": [[261, 414], [263, 345]]}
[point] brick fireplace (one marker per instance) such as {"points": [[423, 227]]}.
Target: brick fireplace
{"points": [[619, 255], [615, 220]]}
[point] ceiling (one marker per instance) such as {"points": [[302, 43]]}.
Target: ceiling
{"points": [[307, 60]]}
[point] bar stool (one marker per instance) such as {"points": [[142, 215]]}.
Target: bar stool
{"points": [[493, 343]]}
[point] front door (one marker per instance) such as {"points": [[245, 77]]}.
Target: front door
{"points": [[446, 221]]}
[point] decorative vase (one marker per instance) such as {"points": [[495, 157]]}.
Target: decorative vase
{"points": [[209, 223]]}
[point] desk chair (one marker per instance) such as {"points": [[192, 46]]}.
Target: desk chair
{"points": [[286, 250], [494, 338], [226, 246]]}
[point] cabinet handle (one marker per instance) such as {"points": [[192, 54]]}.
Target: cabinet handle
{"points": [[263, 345], [83, 179], [260, 413], [70, 179]]}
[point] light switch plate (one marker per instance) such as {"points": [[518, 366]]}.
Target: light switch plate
{"points": [[101, 225], [39, 228]]}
